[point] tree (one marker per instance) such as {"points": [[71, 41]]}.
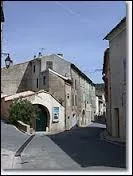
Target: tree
{"points": [[23, 110]]}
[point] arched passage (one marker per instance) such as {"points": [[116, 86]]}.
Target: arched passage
{"points": [[43, 118]]}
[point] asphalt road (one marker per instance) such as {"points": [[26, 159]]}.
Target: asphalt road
{"points": [[79, 148], [11, 138]]}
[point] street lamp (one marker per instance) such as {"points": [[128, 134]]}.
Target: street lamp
{"points": [[8, 61]]}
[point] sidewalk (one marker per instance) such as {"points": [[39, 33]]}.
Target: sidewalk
{"points": [[117, 141], [8, 160]]}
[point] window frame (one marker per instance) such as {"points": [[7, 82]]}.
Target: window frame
{"points": [[44, 80], [37, 83], [49, 65]]}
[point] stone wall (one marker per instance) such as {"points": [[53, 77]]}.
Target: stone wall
{"points": [[117, 57], [57, 87], [5, 109], [60, 65], [15, 79]]}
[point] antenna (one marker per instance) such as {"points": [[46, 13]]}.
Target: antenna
{"points": [[98, 70], [41, 50]]}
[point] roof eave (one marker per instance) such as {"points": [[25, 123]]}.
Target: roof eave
{"points": [[114, 29]]}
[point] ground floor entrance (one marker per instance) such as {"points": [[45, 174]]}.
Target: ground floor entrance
{"points": [[42, 119]]}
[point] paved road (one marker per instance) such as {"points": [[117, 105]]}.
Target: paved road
{"points": [[43, 153], [80, 148], [11, 140], [84, 146]]}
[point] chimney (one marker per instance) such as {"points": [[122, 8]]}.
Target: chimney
{"points": [[60, 54]]}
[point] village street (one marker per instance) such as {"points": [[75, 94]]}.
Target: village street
{"points": [[80, 148]]}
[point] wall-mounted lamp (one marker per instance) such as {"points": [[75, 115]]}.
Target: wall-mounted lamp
{"points": [[8, 60]]}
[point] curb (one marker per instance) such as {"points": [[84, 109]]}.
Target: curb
{"points": [[19, 151], [103, 137]]}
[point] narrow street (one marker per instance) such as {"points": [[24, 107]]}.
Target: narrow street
{"points": [[80, 148], [11, 140]]}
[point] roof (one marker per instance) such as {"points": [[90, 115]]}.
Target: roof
{"points": [[18, 95], [76, 69], [3, 95], [72, 65], [61, 76], [28, 93], [116, 27], [82, 74]]}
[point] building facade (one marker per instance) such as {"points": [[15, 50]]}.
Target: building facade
{"points": [[61, 79], [100, 100], [114, 75]]}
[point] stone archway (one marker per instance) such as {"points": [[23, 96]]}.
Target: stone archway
{"points": [[42, 120]]}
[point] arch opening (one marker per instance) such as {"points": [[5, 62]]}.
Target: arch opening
{"points": [[42, 120]]}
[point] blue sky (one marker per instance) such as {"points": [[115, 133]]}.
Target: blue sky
{"points": [[74, 28]]}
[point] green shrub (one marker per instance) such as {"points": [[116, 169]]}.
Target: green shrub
{"points": [[22, 110]]}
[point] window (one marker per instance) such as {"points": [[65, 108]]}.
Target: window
{"points": [[72, 83], [75, 100], [75, 84], [124, 68], [44, 80], [74, 115], [72, 100], [68, 96], [49, 64], [34, 68], [117, 127], [37, 83]]}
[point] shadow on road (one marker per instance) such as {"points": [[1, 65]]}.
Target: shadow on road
{"points": [[100, 119], [85, 147]]}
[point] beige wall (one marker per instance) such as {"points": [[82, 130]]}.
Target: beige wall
{"points": [[36, 75], [57, 87], [49, 102], [16, 78], [117, 55], [85, 93], [69, 119], [4, 109], [46, 100]]}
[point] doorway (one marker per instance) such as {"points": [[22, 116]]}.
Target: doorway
{"points": [[42, 119], [117, 122]]}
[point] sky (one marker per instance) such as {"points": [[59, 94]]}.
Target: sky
{"points": [[74, 28]]}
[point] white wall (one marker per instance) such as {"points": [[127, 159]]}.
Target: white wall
{"points": [[117, 55], [48, 101], [97, 106]]}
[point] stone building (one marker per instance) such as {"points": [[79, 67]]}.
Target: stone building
{"points": [[61, 79], [114, 75], [100, 100], [47, 104]]}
